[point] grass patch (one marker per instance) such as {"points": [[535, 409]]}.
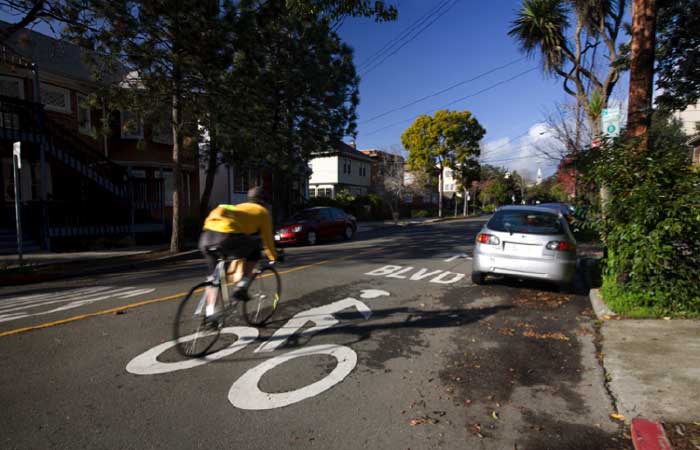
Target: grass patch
{"points": [[635, 305]]}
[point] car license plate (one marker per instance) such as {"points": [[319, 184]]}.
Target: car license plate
{"points": [[277, 237], [522, 249]]}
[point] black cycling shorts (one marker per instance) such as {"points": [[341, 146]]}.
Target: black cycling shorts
{"points": [[235, 246]]}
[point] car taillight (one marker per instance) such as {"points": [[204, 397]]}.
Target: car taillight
{"points": [[561, 246], [490, 239]]}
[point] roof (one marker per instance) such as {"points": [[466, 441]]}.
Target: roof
{"points": [[50, 54], [343, 149], [374, 153], [695, 140]]}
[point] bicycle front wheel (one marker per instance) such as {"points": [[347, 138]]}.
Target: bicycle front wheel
{"points": [[264, 293], [192, 332]]}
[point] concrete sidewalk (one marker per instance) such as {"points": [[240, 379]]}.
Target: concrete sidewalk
{"points": [[38, 259], [653, 366]]}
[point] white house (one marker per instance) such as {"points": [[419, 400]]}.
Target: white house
{"points": [[345, 169], [689, 117]]}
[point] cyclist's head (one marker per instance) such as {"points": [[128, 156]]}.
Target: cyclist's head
{"points": [[258, 195]]}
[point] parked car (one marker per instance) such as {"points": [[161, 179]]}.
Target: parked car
{"points": [[565, 209], [526, 242], [314, 224]]}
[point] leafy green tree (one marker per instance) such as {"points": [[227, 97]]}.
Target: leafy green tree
{"points": [[494, 193], [570, 50], [165, 51], [298, 87], [652, 229], [446, 140], [678, 53]]}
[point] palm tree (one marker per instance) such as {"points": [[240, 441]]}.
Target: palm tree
{"points": [[541, 27]]}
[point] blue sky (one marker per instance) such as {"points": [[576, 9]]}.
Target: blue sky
{"points": [[470, 39]]}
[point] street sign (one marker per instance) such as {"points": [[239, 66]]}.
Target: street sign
{"points": [[611, 121], [17, 152]]}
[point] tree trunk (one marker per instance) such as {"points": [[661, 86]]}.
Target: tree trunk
{"points": [[212, 157], [175, 237], [466, 205], [641, 69], [440, 190]]}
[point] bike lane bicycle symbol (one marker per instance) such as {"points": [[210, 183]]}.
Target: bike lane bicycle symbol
{"points": [[245, 392]]}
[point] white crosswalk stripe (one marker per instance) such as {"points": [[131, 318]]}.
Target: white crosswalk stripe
{"points": [[36, 304]]}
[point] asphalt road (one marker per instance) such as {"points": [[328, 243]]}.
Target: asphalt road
{"points": [[380, 343]]}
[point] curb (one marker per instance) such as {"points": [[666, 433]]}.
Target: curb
{"points": [[86, 268], [649, 435], [602, 311]]}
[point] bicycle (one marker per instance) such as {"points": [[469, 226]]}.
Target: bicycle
{"points": [[195, 333]]}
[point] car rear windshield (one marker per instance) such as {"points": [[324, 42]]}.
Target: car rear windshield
{"points": [[306, 215], [528, 222]]}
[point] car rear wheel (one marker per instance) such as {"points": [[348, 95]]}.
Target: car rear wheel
{"points": [[478, 277], [311, 237], [349, 233]]}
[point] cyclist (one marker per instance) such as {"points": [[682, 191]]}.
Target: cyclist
{"points": [[237, 230]]}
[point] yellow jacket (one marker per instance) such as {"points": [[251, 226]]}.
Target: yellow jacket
{"points": [[244, 218]]}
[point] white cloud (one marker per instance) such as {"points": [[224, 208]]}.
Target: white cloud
{"points": [[524, 154]]}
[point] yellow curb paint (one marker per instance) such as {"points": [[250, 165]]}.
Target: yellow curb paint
{"points": [[161, 299]]}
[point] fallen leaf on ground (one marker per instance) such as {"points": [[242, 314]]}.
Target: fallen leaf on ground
{"points": [[422, 421], [556, 335], [494, 414], [476, 430], [617, 416]]}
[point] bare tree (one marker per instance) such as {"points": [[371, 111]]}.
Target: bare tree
{"points": [[389, 179]]}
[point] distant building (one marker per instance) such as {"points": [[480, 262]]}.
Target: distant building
{"points": [[384, 165], [539, 177], [344, 169], [80, 185], [689, 118], [690, 121], [694, 144]]}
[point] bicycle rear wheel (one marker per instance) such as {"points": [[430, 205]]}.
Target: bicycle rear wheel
{"points": [[264, 293], [192, 332]]}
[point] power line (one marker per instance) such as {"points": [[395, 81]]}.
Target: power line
{"points": [[407, 31], [435, 94], [454, 101], [410, 39]]}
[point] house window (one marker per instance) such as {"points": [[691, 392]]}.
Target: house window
{"points": [[55, 98], [312, 192], [12, 87], [168, 187], [325, 192], [241, 181], [162, 132], [132, 126], [84, 119]]}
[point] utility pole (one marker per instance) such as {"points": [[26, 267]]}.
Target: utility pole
{"points": [[16, 166]]}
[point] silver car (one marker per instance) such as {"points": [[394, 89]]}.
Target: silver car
{"points": [[526, 242]]}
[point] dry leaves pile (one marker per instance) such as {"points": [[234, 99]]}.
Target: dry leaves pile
{"points": [[556, 335], [541, 300]]}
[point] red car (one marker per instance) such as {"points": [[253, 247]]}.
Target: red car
{"points": [[314, 224]]}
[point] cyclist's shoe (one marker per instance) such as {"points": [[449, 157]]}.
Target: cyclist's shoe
{"points": [[214, 321]]}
